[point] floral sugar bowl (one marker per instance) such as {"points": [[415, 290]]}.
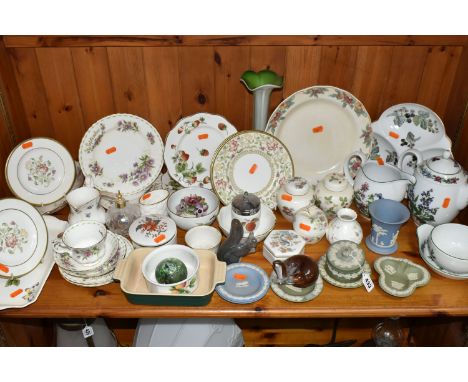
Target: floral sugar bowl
{"points": [[344, 227], [441, 189], [332, 193], [153, 231], [281, 244], [294, 195], [311, 223]]}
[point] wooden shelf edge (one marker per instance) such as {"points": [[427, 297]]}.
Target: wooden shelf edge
{"points": [[239, 40]]}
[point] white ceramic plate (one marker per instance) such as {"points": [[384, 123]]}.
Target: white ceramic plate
{"points": [[190, 146], [23, 237], [24, 290], [251, 161], [40, 171], [121, 152], [321, 126]]}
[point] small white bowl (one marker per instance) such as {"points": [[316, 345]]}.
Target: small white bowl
{"points": [[185, 254], [187, 222], [203, 237], [154, 203]]}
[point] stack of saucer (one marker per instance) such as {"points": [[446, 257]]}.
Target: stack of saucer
{"points": [[343, 265], [87, 253]]}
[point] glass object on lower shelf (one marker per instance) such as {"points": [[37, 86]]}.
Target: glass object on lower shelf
{"points": [[388, 333]]}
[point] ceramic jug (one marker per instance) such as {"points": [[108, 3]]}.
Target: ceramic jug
{"points": [[299, 270], [441, 189], [376, 180], [84, 205]]}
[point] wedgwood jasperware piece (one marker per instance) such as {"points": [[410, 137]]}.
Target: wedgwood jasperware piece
{"points": [[441, 189], [235, 247], [332, 193], [251, 161], [246, 208], [203, 237], [410, 126], [193, 206], [343, 265], [295, 194], [261, 84], [311, 223], [300, 271], [19, 292], [84, 205], [245, 283], [447, 245], [266, 223], [121, 152], [187, 256], [329, 122], [40, 171], [153, 231], [154, 203], [23, 237], [387, 217], [376, 180], [190, 146], [400, 277], [281, 244], [212, 272], [295, 294], [344, 227]]}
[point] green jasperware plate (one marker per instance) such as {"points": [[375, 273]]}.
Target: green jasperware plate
{"points": [[294, 294], [400, 277]]}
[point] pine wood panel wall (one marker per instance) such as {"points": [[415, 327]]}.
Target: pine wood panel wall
{"points": [[64, 84]]}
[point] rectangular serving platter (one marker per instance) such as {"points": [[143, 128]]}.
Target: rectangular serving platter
{"points": [[128, 271]]}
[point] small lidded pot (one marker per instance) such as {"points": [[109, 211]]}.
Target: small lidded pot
{"points": [[153, 231], [311, 223], [332, 193], [344, 227], [281, 244], [345, 261], [294, 195], [246, 208]]}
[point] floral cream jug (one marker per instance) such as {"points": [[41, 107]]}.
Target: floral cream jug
{"points": [[84, 205], [376, 180], [332, 193], [294, 195], [441, 189]]}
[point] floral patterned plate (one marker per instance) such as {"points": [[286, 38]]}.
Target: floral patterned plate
{"points": [[410, 126], [190, 146], [40, 171], [18, 292], [23, 237], [121, 152], [252, 161], [321, 126]]}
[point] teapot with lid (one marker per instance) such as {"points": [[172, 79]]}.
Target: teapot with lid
{"points": [[440, 191]]}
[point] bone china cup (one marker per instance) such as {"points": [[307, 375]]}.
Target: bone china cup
{"points": [[154, 203], [448, 244], [203, 237]]}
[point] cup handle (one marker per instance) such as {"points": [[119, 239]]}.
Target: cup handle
{"points": [[59, 246], [412, 152], [346, 164]]}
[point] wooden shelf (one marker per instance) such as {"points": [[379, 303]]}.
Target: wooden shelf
{"points": [[442, 297]]}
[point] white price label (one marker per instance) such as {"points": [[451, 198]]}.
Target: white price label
{"points": [[367, 281], [88, 331]]}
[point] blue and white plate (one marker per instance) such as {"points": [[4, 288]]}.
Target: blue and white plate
{"points": [[245, 283]]}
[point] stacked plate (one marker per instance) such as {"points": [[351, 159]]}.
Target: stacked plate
{"points": [[99, 272]]}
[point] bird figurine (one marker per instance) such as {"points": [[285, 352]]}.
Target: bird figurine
{"points": [[235, 247]]}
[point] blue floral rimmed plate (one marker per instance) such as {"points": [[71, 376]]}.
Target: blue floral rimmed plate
{"points": [[245, 283]]}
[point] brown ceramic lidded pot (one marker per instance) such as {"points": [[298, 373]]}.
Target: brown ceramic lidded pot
{"points": [[299, 270]]}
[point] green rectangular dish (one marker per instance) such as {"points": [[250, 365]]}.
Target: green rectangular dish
{"points": [[128, 271]]}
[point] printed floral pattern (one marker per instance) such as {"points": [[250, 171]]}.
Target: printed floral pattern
{"points": [[391, 157], [192, 206], [251, 143], [12, 238], [188, 172], [151, 227], [410, 140], [186, 287], [150, 137], [284, 241], [298, 182], [40, 171], [288, 211], [140, 173], [348, 100], [30, 293], [314, 92], [363, 198], [127, 126], [95, 139], [420, 118], [439, 179], [420, 205], [280, 114], [330, 207], [95, 168]]}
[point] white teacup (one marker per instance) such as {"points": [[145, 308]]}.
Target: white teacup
{"points": [[203, 237], [84, 241], [154, 203]]}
